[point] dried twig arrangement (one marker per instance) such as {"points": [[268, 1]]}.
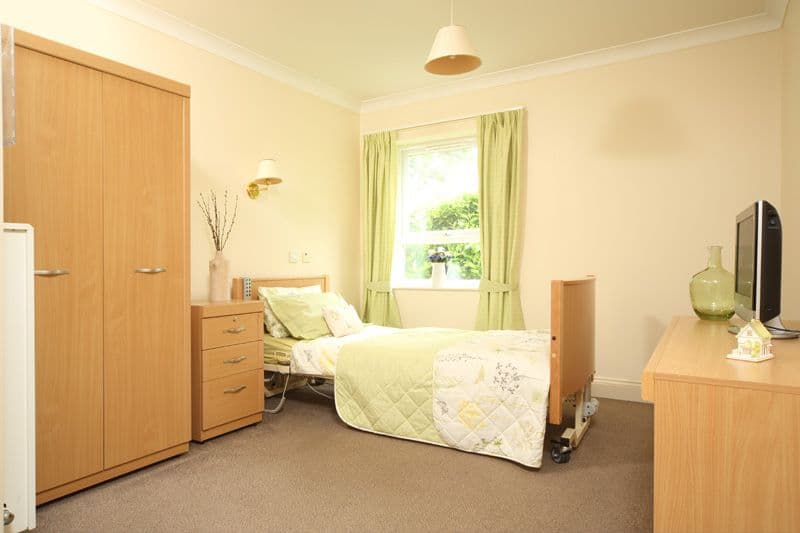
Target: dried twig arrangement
{"points": [[220, 230]]}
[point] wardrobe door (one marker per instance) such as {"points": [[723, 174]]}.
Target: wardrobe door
{"points": [[53, 181], [147, 369]]}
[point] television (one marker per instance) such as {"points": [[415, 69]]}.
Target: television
{"points": [[758, 267]]}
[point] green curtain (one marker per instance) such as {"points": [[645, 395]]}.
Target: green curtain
{"points": [[499, 143], [379, 190]]}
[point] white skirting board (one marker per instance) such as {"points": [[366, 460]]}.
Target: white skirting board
{"points": [[617, 389]]}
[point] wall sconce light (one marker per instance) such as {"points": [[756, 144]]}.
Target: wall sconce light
{"points": [[266, 175]]}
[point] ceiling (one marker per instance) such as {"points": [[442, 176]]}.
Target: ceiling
{"points": [[373, 48]]}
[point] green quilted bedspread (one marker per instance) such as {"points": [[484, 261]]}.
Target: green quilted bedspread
{"points": [[385, 384]]}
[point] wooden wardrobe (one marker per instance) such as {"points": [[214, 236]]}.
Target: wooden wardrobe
{"points": [[100, 169]]}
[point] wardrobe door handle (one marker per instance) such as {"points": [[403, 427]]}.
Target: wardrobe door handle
{"points": [[238, 329], [234, 390], [235, 360], [155, 270], [51, 273]]}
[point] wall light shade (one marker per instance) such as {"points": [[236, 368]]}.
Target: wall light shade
{"points": [[452, 53], [266, 175], [267, 168]]}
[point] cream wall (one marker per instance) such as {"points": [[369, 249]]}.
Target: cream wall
{"points": [[632, 169], [791, 161], [442, 308], [237, 118]]}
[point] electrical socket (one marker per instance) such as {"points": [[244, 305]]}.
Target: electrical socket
{"points": [[306, 257], [293, 256]]}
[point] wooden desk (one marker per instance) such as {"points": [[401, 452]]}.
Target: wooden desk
{"points": [[727, 433]]}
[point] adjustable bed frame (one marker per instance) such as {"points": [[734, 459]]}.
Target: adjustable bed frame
{"points": [[572, 352]]}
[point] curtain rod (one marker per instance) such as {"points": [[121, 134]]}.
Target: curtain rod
{"points": [[454, 119]]}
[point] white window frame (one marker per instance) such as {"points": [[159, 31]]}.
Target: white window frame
{"points": [[404, 237]]}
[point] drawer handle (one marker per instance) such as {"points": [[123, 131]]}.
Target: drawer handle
{"points": [[234, 390], [51, 273], [155, 270], [235, 360], [237, 329]]}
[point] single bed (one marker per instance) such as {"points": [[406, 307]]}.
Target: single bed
{"points": [[559, 365]]}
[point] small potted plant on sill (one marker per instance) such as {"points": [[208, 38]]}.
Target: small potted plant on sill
{"points": [[220, 226], [439, 259]]}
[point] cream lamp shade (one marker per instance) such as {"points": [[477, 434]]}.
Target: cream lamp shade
{"points": [[452, 53], [266, 175], [267, 168]]}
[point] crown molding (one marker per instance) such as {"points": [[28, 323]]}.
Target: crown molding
{"points": [[156, 19], [159, 20], [771, 19], [776, 9]]}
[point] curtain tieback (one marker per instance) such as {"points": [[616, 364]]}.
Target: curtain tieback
{"points": [[493, 286], [378, 286]]}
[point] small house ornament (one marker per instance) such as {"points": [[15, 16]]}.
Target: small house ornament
{"points": [[753, 342]]}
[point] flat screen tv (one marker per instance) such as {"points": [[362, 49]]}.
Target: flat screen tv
{"points": [[758, 267]]}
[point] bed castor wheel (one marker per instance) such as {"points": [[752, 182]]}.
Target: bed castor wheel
{"points": [[559, 454]]}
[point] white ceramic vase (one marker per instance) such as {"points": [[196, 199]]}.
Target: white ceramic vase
{"points": [[219, 282], [438, 275]]}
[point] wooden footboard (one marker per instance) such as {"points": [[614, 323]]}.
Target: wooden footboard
{"points": [[572, 340]]}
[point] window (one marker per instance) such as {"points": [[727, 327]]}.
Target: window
{"points": [[438, 207]]}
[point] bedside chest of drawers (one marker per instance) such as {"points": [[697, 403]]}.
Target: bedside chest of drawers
{"points": [[227, 367]]}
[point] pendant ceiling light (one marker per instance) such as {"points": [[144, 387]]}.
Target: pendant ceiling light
{"points": [[452, 53]]}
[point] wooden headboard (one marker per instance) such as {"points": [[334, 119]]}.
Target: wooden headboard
{"points": [[237, 292], [572, 332]]}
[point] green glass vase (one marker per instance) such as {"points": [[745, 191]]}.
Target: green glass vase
{"points": [[711, 290]]}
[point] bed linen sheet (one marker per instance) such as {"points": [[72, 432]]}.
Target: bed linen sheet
{"points": [[482, 392], [278, 351], [316, 357]]}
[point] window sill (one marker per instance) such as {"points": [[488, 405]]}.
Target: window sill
{"points": [[427, 287]]}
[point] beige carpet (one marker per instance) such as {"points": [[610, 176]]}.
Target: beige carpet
{"points": [[304, 470]]}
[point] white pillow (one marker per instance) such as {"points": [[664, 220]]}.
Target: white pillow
{"points": [[274, 326], [342, 319]]}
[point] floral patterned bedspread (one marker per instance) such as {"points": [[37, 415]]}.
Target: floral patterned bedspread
{"points": [[482, 392], [318, 357], [490, 394]]}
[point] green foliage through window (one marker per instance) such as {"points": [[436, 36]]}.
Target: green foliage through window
{"points": [[460, 213]]}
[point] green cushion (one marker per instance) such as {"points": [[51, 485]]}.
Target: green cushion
{"points": [[302, 313]]}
